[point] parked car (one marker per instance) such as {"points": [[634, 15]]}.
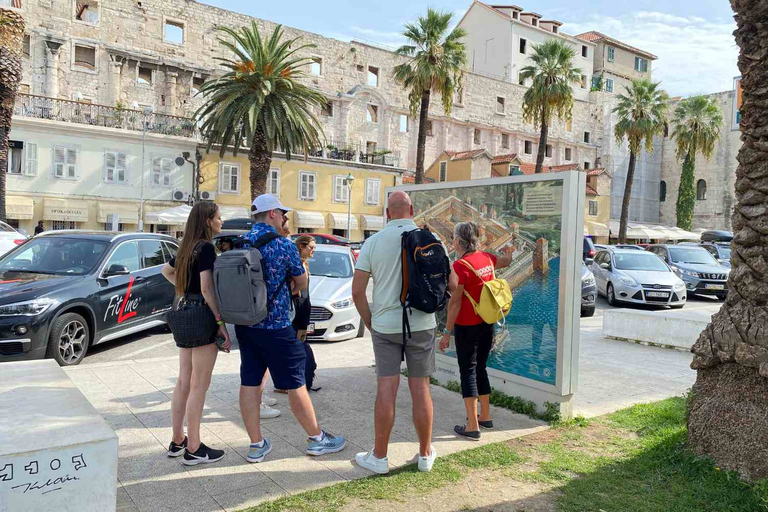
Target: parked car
{"points": [[228, 235], [699, 270], [716, 236], [629, 246], [9, 238], [631, 276], [333, 316], [62, 292], [588, 291], [243, 223], [721, 251], [326, 239], [589, 249], [601, 247]]}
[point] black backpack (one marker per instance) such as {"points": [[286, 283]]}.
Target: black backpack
{"points": [[426, 270]]}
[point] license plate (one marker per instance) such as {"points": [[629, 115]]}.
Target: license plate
{"points": [[657, 294], [714, 286], [311, 329]]}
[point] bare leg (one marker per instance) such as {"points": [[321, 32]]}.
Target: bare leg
{"points": [[384, 413], [250, 407], [203, 359], [302, 409], [181, 394], [471, 405], [422, 412], [485, 407]]}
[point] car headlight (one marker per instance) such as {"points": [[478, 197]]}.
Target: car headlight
{"points": [[691, 273], [628, 281], [342, 303], [589, 281], [679, 286], [28, 308]]}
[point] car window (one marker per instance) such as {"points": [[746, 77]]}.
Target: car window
{"points": [[126, 255], [692, 255], [712, 250], [725, 253], [330, 264], [170, 250], [6, 227], [320, 240], [639, 261], [152, 251], [55, 255]]}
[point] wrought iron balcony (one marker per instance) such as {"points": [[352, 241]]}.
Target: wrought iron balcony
{"points": [[41, 107], [354, 152]]}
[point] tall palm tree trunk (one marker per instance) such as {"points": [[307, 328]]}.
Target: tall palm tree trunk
{"points": [[627, 196], [11, 43], [542, 141], [686, 194], [421, 142], [727, 417], [260, 158]]}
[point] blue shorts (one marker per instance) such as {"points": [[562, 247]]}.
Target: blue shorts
{"points": [[278, 350]]}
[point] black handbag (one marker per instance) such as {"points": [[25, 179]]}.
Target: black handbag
{"points": [[191, 320]]}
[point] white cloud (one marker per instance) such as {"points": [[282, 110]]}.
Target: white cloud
{"points": [[694, 55]]}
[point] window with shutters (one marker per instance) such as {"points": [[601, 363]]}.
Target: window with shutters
{"points": [[161, 172], [372, 191], [340, 189], [611, 53], [229, 178], [273, 184], [65, 162], [15, 157], [593, 208], [443, 171], [609, 85], [30, 166], [641, 65], [307, 185], [115, 167]]}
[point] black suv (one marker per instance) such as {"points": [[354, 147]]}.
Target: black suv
{"points": [[63, 291]]}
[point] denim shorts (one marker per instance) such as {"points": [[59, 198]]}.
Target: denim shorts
{"points": [[276, 350]]}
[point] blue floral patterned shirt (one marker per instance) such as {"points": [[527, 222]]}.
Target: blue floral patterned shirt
{"points": [[282, 262]]}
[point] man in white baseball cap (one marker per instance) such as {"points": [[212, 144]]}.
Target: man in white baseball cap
{"points": [[267, 202]]}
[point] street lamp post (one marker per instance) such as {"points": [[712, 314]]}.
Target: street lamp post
{"points": [[147, 111], [350, 180]]}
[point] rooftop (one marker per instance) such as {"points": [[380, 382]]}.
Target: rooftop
{"points": [[465, 155], [594, 36]]}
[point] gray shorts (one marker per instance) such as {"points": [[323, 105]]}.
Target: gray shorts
{"points": [[419, 353]]}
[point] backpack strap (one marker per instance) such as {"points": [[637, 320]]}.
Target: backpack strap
{"points": [[258, 244], [482, 281], [404, 289]]}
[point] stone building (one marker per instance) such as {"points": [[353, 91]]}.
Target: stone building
{"points": [[617, 63]]}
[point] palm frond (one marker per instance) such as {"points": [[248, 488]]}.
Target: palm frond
{"points": [[698, 121], [642, 115], [551, 73]]}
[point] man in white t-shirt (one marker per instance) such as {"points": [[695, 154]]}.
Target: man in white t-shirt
{"points": [[380, 259]]}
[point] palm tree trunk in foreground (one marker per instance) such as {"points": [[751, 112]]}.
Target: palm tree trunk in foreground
{"points": [[261, 159], [728, 409], [627, 196], [422, 139], [542, 143], [11, 43]]}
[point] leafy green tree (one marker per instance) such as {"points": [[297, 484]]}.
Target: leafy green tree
{"points": [[642, 114], [260, 102], [698, 121], [435, 61], [11, 42], [551, 74]]}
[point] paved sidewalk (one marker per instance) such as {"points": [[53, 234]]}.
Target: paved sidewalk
{"points": [[134, 398]]}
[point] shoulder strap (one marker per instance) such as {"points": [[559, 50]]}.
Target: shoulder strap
{"points": [[265, 239], [189, 270]]}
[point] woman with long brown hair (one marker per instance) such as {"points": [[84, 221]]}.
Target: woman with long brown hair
{"points": [[191, 272]]}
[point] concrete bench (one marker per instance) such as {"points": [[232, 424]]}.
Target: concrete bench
{"points": [[678, 329], [56, 452]]}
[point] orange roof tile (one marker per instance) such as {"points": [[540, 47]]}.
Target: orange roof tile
{"points": [[591, 191], [502, 159], [594, 36], [464, 155]]}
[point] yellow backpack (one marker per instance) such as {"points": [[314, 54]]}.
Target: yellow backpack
{"points": [[495, 298]]}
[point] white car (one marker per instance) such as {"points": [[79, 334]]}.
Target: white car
{"points": [[333, 317], [9, 238]]}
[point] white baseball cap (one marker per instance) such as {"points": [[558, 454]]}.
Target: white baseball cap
{"points": [[267, 202]]}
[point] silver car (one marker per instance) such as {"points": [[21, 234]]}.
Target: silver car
{"points": [[639, 277]]}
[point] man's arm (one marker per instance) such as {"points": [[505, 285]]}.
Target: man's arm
{"points": [[300, 283], [359, 296], [454, 306]]}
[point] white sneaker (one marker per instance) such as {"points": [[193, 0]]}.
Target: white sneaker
{"points": [[368, 461], [425, 463], [268, 400], [267, 412]]}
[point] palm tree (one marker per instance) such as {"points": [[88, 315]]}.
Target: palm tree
{"points": [[11, 45], [642, 114], [260, 102], [435, 62], [698, 121], [726, 411], [552, 74]]}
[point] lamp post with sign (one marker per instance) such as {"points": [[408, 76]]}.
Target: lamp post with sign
{"points": [[145, 113], [350, 179]]}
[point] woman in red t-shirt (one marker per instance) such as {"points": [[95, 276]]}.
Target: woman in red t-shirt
{"points": [[474, 337]]}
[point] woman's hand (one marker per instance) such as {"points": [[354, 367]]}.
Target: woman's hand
{"points": [[445, 342], [225, 334]]}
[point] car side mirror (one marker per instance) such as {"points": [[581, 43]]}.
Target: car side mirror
{"points": [[606, 266], [117, 270], [589, 261]]}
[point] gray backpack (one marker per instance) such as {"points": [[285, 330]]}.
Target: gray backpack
{"points": [[241, 291]]}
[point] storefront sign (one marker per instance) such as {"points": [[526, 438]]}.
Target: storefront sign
{"points": [[74, 213]]}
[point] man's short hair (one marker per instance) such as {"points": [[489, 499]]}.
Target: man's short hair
{"points": [[259, 217]]}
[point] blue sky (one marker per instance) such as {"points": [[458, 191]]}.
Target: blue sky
{"points": [[693, 39]]}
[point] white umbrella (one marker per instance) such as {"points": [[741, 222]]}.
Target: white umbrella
{"points": [[175, 215]]}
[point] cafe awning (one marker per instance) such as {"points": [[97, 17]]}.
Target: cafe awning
{"points": [[339, 221], [234, 212], [65, 209], [20, 208], [175, 215], [372, 222], [126, 213], [595, 229], [309, 220]]}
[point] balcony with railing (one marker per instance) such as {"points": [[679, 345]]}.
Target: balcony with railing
{"points": [[355, 152], [78, 112]]}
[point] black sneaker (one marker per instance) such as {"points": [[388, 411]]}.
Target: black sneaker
{"points": [[174, 450], [203, 455], [462, 431]]}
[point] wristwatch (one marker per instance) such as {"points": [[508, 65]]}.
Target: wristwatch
{"points": [[446, 331]]}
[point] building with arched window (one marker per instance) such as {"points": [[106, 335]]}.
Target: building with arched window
{"points": [[662, 191], [701, 190]]}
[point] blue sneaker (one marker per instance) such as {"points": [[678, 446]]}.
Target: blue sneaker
{"points": [[329, 444], [256, 454]]}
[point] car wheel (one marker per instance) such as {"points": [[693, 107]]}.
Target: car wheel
{"points": [[361, 330], [611, 296], [588, 311], [69, 339]]}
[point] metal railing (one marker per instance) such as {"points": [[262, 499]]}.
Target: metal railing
{"points": [[41, 107]]}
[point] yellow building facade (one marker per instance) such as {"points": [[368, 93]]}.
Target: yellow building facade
{"points": [[315, 189]]}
